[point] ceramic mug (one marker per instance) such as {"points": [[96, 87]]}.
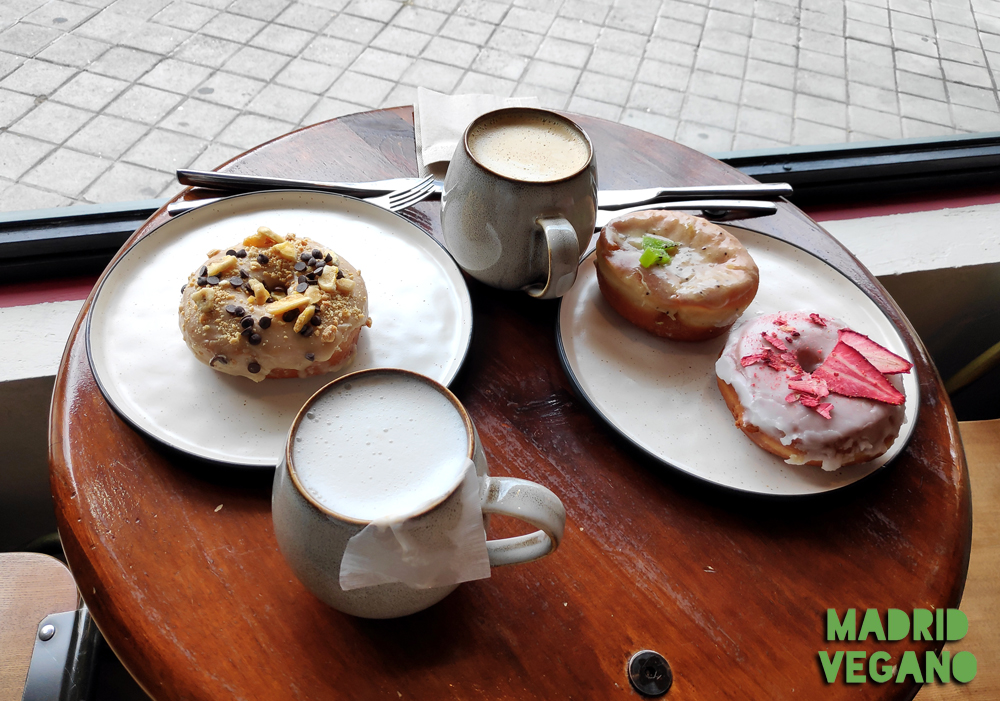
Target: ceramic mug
{"points": [[313, 537], [520, 200]]}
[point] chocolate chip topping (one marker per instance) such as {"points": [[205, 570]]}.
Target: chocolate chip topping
{"points": [[231, 308], [219, 359], [316, 254], [242, 253], [300, 266], [254, 339], [279, 289], [213, 280], [310, 356], [304, 257], [240, 311], [302, 287], [230, 252], [236, 281], [247, 322], [340, 273], [307, 330], [315, 320], [329, 258], [290, 315], [183, 287], [243, 273], [301, 278], [202, 281], [203, 272], [254, 367], [265, 322], [262, 259], [319, 269]]}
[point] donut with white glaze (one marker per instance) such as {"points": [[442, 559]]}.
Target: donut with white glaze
{"points": [[767, 373], [270, 307], [708, 282]]}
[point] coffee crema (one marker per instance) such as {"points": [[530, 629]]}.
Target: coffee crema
{"points": [[528, 146], [380, 445]]}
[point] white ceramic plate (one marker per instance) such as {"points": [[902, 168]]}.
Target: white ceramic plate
{"points": [[418, 302], [663, 397]]}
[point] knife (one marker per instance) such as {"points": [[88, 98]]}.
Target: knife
{"points": [[716, 210], [232, 182], [617, 199]]}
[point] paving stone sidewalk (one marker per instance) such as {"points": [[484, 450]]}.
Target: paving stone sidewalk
{"points": [[100, 100]]}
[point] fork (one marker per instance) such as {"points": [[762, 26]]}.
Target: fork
{"points": [[394, 201]]}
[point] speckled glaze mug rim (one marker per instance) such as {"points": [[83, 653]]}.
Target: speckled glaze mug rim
{"points": [[531, 110], [289, 466]]}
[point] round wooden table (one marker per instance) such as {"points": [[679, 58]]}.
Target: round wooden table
{"points": [[732, 590]]}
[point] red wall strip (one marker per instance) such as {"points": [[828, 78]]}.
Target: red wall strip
{"points": [[23, 294]]}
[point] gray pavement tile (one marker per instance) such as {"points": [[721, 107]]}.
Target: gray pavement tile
{"points": [[706, 110], [227, 25], [704, 137], [141, 103], [265, 10], [420, 19], [198, 118], [284, 40], [980, 98], [730, 42], [547, 97], [9, 63], [916, 84], [990, 42], [356, 29], [35, 77], [738, 6], [870, 53], [515, 41], [767, 97], [776, 12], [482, 10], [862, 137], [565, 52], [27, 39], [773, 52], [594, 108], [679, 31], [916, 107], [229, 90], [500, 64], [400, 95], [880, 124], [955, 13], [816, 62], [308, 76], [916, 129], [633, 15], [714, 86], [124, 182], [565, 79], [385, 64], [528, 20], [185, 15], [286, 104], [21, 197], [648, 121], [820, 22], [404, 41], [207, 51], [612, 63], [976, 76], [155, 38], [915, 7], [51, 122], [445, 50], [766, 123], [575, 30], [19, 153], [987, 24], [688, 10], [621, 41], [308, 17], [875, 98], [671, 52], [124, 62], [866, 13], [916, 63], [335, 52], [467, 29], [248, 130], [328, 108], [820, 85], [916, 43], [165, 150], [176, 76], [821, 111], [141, 9], [868, 74], [971, 119], [433, 75], [955, 51], [108, 26], [663, 75], [808, 133], [381, 10], [872, 33], [831, 8], [89, 91], [107, 136], [60, 15], [750, 142], [256, 63], [823, 43], [770, 74], [712, 61], [66, 171], [776, 31], [13, 105], [592, 12], [474, 82], [439, 5], [727, 21], [172, 189], [912, 23], [71, 50]]}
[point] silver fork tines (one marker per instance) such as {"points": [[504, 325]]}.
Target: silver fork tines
{"points": [[401, 199]]}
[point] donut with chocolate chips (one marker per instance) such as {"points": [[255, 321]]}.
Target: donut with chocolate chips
{"points": [[274, 306]]}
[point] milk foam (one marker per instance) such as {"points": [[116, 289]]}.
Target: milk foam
{"points": [[379, 446], [532, 147]]}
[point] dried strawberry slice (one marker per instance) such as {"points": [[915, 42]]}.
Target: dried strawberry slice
{"points": [[825, 410], [809, 385], [817, 319], [748, 360], [884, 360], [846, 372]]}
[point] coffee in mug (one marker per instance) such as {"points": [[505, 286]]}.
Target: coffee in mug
{"points": [[520, 200]]}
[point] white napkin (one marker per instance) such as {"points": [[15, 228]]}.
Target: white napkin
{"points": [[439, 121], [402, 549]]}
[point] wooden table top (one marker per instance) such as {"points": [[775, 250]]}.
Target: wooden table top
{"points": [[732, 590]]}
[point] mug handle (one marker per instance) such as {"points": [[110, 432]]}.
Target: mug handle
{"points": [[531, 503], [563, 248]]}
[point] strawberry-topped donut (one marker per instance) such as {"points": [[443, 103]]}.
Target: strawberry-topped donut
{"points": [[810, 390]]}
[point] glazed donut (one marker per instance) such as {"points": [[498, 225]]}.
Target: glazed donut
{"points": [[695, 292], [274, 306], [806, 388]]}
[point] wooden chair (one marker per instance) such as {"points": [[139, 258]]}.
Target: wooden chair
{"points": [[981, 601]]}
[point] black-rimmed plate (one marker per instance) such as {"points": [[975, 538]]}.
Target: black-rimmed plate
{"points": [[418, 302]]}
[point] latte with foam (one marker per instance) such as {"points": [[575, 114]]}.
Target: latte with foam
{"points": [[380, 445], [530, 146]]}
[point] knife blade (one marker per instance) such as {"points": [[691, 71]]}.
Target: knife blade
{"points": [[617, 199], [233, 182], [716, 210]]}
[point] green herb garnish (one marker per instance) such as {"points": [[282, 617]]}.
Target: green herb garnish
{"points": [[655, 251]]}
